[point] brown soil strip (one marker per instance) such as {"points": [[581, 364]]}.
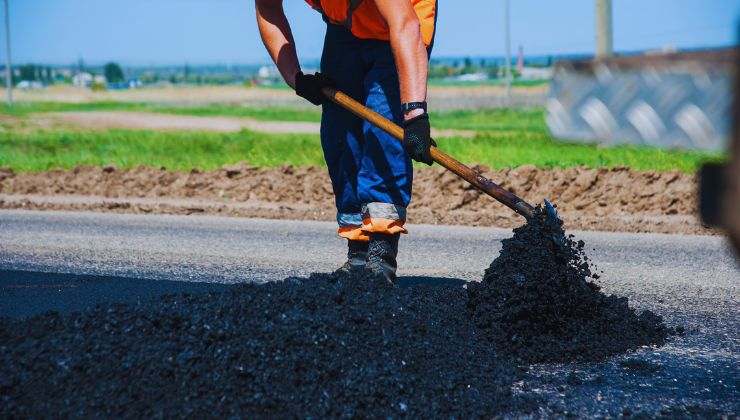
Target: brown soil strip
{"points": [[616, 199], [100, 120]]}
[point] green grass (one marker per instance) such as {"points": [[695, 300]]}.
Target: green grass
{"points": [[486, 119], [521, 148], [263, 114], [483, 120], [22, 109], [43, 150], [506, 138], [492, 120], [495, 82]]}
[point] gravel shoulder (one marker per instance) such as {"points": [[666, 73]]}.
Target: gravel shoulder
{"points": [[617, 199]]}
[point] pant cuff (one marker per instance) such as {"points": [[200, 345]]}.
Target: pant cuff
{"points": [[353, 233], [350, 227], [383, 218]]}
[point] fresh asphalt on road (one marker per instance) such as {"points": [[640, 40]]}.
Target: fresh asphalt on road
{"points": [[69, 261]]}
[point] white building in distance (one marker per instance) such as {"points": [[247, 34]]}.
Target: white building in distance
{"points": [[82, 79]]}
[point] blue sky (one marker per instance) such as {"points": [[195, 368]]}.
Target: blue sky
{"points": [[224, 31]]}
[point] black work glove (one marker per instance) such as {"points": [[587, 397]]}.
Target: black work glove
{"points": [[309, 86], [417, 138]]}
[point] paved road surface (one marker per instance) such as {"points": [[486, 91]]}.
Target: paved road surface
{"points": [[219, 249], [66, 261]]}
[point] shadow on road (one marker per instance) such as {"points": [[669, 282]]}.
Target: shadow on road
{"points": [[28, 293]]}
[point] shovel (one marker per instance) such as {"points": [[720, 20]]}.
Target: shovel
{"points": [[477, 180]]}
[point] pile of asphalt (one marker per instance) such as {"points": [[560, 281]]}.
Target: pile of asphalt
{"points": [[538, 303], [326, 346], [316, 347]]}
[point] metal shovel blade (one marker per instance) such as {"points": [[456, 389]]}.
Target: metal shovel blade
{"points": [[552, 213]]}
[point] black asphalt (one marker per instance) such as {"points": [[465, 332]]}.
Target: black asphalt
{"points": [[690, 281]]}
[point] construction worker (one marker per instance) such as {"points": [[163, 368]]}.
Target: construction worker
{"points": [[376, 51]]}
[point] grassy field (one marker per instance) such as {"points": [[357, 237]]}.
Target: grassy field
{"points": [[529, 120], [480, 120], [43, 150], [38, 151], [505, 138], [264, 114], [477, 83]]}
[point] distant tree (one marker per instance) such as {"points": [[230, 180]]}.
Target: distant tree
{"points": [[27, 72], [113, 73], [468, 66], [492, 71]]}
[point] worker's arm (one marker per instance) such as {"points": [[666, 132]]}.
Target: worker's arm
{"points": [[278, 39], [408, 50], [412, 65]]}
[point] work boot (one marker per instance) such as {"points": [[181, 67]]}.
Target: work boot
{"points": [[356, 257], [381, 255]]}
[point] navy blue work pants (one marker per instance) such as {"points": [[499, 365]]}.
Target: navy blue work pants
{"points": [[371, 173]]}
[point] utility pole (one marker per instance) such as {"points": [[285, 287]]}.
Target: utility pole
{"points": [[604, 44], [507, 37], [8, 67]]}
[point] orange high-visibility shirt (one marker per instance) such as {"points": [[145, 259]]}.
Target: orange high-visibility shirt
{"points": [[364, 20]]}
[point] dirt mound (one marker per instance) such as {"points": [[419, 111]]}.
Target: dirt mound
{"points": [[536, 301], [602, 193], [320, 347], [616, 199]]}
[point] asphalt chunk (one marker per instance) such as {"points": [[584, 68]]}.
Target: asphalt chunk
{"points": [[537, 301]]}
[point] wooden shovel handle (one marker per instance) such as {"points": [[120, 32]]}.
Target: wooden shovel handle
{"points": [[453, 165]]}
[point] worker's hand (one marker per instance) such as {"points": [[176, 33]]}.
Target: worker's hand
{"points": [[309, 86], [417, 138]]}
